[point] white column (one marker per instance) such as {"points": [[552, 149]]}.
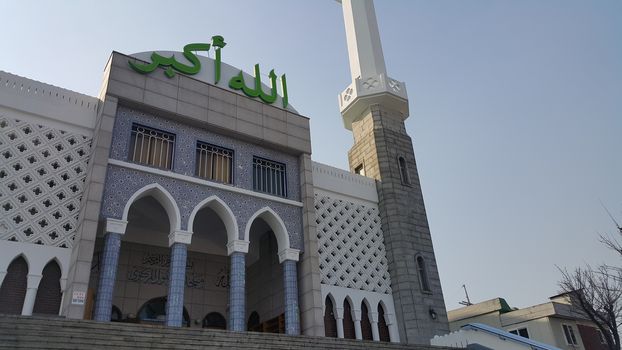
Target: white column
{"points": [[339, 315], [31, 294], [356, 315], [373, 319]]}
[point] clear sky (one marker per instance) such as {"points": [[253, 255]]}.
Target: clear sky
{"points": [[516, 108]]}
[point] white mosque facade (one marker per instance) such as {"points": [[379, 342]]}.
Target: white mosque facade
{"points": [[184, 194]]}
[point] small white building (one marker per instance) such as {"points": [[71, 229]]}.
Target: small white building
{"points": [[481, 336], [556, 322]]}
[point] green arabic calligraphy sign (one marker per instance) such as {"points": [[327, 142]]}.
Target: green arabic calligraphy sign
{"points": [[236, 82]]}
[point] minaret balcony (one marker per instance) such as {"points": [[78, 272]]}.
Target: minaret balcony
{"points": [[364, 92]]}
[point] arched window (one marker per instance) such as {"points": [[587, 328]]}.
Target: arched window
{"points": [[330, 321], [116, 315], [49, 294], [383, 329], [253, 322], [13, 289], [214, 320], [403, 170], [365, 323], [423, 274], [348, 321], [154, 311]]}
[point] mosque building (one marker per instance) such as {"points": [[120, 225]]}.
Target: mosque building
{"points": [[184, 194]]}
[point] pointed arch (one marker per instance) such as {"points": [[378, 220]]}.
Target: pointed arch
{"points": [[14, 285], [383, 328], [330, 317], [49, 293], [365, 320], [276, 224], [224, 213], [348, 320], [163, 197]]}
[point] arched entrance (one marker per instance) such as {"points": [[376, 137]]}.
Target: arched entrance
{"points": [[207, 271], [134, 258], [264, 279], [271, 274]]}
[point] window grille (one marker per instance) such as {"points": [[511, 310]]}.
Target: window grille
{"points": [[214, 163], [152, 147], [269, 177]]}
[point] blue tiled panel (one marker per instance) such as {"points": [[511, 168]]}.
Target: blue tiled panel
{"points": [[290, 284], [177, 277], [186, 138], [122, 183], [237, 293], [107, 276]]}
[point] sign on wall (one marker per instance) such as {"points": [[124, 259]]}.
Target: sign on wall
{"points": [[237, 82]]}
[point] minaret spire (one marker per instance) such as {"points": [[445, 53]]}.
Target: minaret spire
{"points": [[370, 82], [364, 48]]}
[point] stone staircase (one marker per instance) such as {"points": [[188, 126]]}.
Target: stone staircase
{"points": [[22, 332]]}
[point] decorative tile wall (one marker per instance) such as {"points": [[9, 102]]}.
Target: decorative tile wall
{"points": [[186, 138], [122, 183]]}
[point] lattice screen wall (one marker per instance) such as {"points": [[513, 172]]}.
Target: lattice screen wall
{"points": [[351, 245], [42, 173]]}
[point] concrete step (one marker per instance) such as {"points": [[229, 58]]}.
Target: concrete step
{"points": [[36, 332]]}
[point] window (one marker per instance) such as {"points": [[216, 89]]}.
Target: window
{"points": [[403, 171], [360, 170], [423, 274], [269, 177], [152, 147], [214, 163], [521, 331], [569, 334]]}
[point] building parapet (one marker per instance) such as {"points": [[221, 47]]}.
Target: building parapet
{"points": [[339, 181], [63, 107]]}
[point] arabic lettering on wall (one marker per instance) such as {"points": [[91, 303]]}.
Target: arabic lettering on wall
{"points": [[236, 82], [154, 269]]}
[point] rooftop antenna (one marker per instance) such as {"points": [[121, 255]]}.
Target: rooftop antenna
{"points": [[468, 301]]}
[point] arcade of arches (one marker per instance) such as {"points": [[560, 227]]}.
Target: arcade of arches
{"points": [[343, 322], [23, 293], [193, 280]]}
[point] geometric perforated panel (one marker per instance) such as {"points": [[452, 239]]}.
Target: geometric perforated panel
{"points": [[351, 245], [42, 172]]}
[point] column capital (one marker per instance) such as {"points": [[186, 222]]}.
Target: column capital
{"points": [[237, 245], [389, 318], [356, 315], [116, 226], [179, 236], [289, 254], [339, 313], [373, 317]]}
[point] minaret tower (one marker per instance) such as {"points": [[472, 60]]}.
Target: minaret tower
{"points": [[374, 108]]}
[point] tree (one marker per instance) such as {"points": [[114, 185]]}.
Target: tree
{"points": [[597, 292]]}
